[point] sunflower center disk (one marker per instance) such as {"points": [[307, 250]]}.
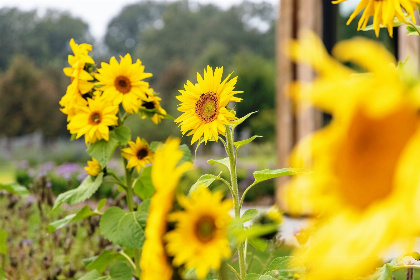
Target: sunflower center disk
{"points": [[205, 229], [95, 118], [142, 154], [122, 84], [206, 107]]}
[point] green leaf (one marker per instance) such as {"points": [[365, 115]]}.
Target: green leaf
{"points": [[206, 180], [187, 154], [237, 122], [102, 150], [256, 230], [92, 275], [2, 275], [86, 189], [239, 144], [266, 277], [101, 204], [124, 228], [268, 174], [101, 262], [122, 134], [285, 266], [3, 242], [120, 271], [258, 243], [14, 188], [144, 186], [144, 206], [224, 162], [82, 214], [252, 276], [248, 215]]}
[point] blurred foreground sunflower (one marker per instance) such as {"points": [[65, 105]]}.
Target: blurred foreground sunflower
{"points": [[203, 105], [200, 240], [365, 185], [165, 176]]}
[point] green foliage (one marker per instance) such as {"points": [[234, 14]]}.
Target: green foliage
{"points": [[120, 271], [43, 39], [15, 188], [29, 100], [3, 242], [205, 180], [239, 144], [225, 162], [144, 186], [124, 228], [267, 174], [88, 187], [101, 262], [82, 214], [102, 150], [256, 77]]}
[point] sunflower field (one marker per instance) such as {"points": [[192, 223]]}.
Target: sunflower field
{"points": [[142, 209]]}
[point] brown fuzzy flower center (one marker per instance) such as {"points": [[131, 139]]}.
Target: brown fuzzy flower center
{"points": [[95, 118], [122, 84], [205, 229], [369, 155], [142, 153], [207, 107]]}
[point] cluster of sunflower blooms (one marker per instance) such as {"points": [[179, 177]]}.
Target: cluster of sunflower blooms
{"points": [[92, 100]]}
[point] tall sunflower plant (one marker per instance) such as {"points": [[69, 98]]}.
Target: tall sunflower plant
{"points": [[97, 103], [164, 234]]}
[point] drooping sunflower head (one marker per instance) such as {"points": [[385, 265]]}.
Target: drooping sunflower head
{"points": [[200, 240], [365, 181], [204, 105], [166, 173], [138, 154], [93, 167], [94, 120], [123, 82], [152, 108], [383, 12]]}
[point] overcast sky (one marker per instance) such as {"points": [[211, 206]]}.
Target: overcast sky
{"points": [[97, 13]]}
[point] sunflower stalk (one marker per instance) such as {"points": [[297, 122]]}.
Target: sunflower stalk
{"points": [[235, 194], [130, 204]]}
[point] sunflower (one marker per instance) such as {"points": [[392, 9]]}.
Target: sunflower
{"points": [[383, 12], [138, 154], [81, 80], [152, 102], [154, 261], [365, 182], [94, 120], [93, 168], [199, 240], [204, 105], [122, 83]]}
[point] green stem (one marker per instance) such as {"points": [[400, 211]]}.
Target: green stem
{"points": [[128, 259], [234, 183], [414, 26], [130, 203], [243, 195], [234, 271]]}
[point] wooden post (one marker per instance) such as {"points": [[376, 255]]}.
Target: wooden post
{"points": [[292, 123]]}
